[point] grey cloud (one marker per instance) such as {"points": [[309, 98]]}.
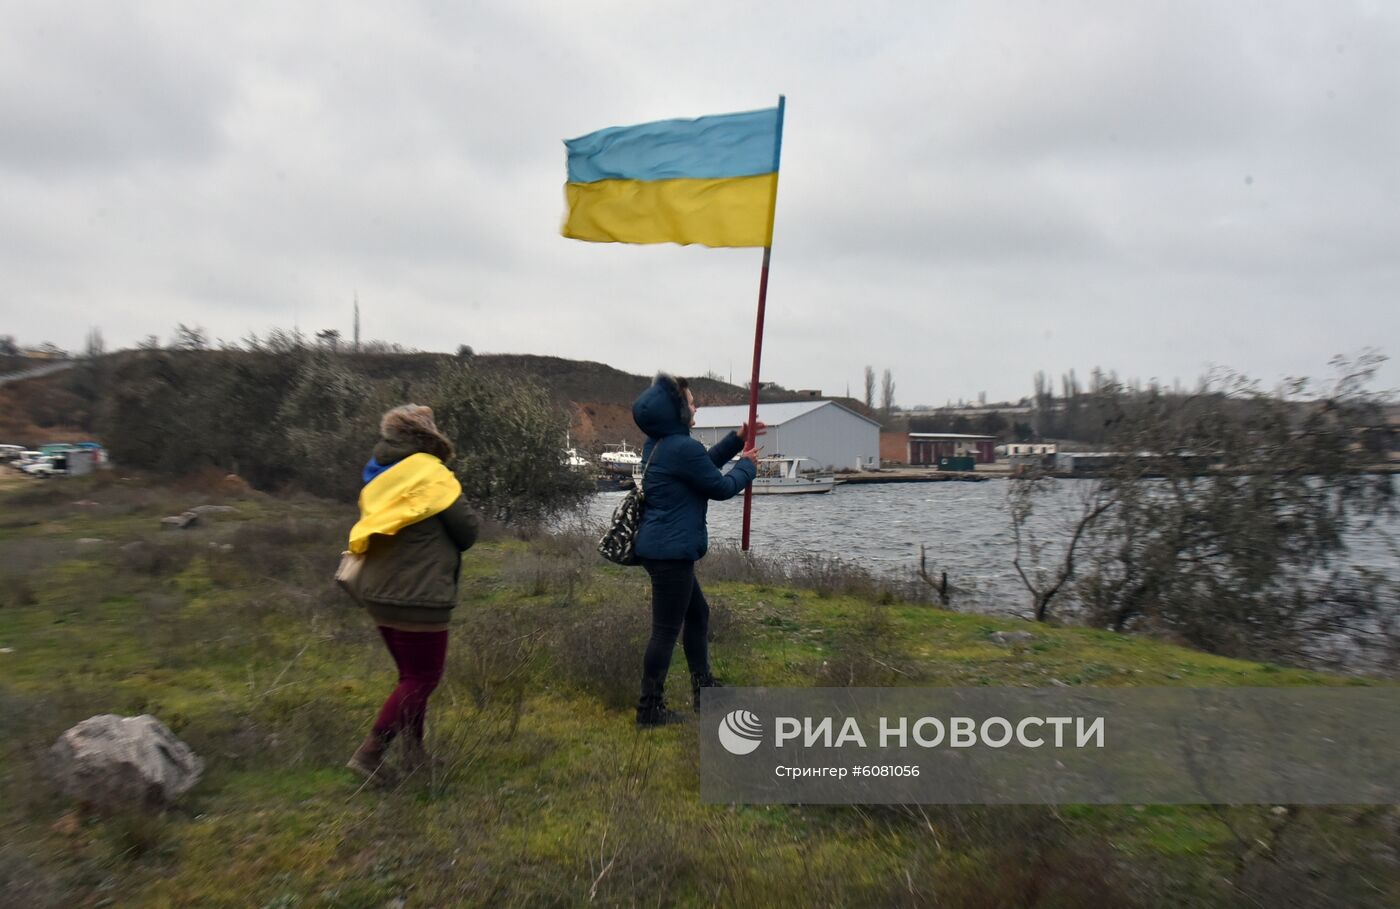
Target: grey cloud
{"points": [[95, 85], [970, 191]]}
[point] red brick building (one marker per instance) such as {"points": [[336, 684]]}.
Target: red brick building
{"points": [[923, 449]]}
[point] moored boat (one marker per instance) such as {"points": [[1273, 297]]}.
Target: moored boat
{"points": [[781, 475], [620, 459]]}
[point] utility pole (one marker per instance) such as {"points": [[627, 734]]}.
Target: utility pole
{"points": [[357, 321]]}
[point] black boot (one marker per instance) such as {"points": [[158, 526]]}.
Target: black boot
{"points": [[652, 709], [700, 680]]}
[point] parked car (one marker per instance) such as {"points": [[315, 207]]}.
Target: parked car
{"points": [[11, 452], [43, 468]]}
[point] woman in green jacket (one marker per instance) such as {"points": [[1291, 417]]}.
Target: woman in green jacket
{"points": [[414, 526]]}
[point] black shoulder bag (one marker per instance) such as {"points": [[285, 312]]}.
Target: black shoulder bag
{"points": [[619, 541]]}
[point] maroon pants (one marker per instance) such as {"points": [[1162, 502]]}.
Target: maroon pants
{"points": [[420, 656]]}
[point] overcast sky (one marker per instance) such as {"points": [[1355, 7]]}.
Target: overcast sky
{"points": [[969, 191]]}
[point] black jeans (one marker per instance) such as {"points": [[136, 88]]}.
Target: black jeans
{"points": [[676, 602]]}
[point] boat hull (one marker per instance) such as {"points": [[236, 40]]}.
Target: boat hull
{"points": [[788, 486]]}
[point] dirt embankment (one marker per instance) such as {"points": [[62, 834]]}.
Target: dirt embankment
{"points": [[38, 411], [597, 423]]}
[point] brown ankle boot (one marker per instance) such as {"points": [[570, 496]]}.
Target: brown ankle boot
{"points": [[368, 761]]}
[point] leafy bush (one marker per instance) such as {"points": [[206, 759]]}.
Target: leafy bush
{"points": [[508, 438], [309, 419]]}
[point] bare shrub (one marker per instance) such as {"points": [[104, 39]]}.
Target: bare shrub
{"points": [[459, 744], [495, 653], [729, 563], [577, 545], [866, 654], [157, 558], [289, 549], [537, 574], [1305, 860], [826, 575], [599, 649], [637, 854], [1033, 859], [832, 576], [726, 624]]}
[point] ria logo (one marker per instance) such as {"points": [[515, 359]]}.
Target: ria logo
{"points": [[740, 732]]}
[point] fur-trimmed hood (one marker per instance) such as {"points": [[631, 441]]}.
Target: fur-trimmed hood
{"points": [[661, 410], [409, 429]]}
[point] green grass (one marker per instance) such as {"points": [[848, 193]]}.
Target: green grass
{"points": [[551, 797]]}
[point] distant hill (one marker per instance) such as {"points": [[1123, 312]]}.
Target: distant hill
{"points": [[51, 408]]}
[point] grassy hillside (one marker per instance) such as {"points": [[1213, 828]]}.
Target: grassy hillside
{"points": [[59, 407], [231, 634]]}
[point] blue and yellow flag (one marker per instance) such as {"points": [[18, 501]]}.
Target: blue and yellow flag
{"points": [[712, 181]]}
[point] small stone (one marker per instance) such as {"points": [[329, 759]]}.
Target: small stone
{"points": [[88, 541], [212, 509], [1008, 638], [180, 521], [7, 650], [1058, 684], [86, 503]]}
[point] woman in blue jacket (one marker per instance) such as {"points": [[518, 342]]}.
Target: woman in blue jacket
{"points": [[681, 478]]}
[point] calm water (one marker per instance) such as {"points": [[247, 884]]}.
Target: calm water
{"points": [[965, 527]]}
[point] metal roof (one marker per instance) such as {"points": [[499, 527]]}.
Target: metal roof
{"points": [[946, 435], [771, 414]]}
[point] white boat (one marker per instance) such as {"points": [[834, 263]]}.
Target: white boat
{"points": [[776, 476], [573, 459], [782, 476], [620, 458]]}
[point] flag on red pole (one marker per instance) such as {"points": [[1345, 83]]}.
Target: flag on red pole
{"points": [[712, 181]]}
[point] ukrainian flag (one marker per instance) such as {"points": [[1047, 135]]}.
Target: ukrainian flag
{"points": [[712, 181]]}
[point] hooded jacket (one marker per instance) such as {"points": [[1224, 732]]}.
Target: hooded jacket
{"points": [[681, 476], [409, 579]]}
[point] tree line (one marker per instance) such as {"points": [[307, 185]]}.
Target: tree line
{"points": [[287, 415]]}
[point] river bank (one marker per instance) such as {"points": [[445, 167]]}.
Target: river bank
{"points": [[963, 529], [548, 796]]}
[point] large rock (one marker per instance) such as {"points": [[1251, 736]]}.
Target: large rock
{"points": [[111, 761]]}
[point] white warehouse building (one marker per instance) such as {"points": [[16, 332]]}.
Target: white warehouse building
{"points": [[832, 436]]}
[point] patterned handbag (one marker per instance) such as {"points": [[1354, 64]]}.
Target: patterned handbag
{"points": [[619, 541]]}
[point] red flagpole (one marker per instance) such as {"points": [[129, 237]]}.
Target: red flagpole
{"points": [[762, 303]]}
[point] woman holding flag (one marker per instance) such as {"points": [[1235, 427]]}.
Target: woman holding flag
{"points": [[413, 527], [680, 478]]}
